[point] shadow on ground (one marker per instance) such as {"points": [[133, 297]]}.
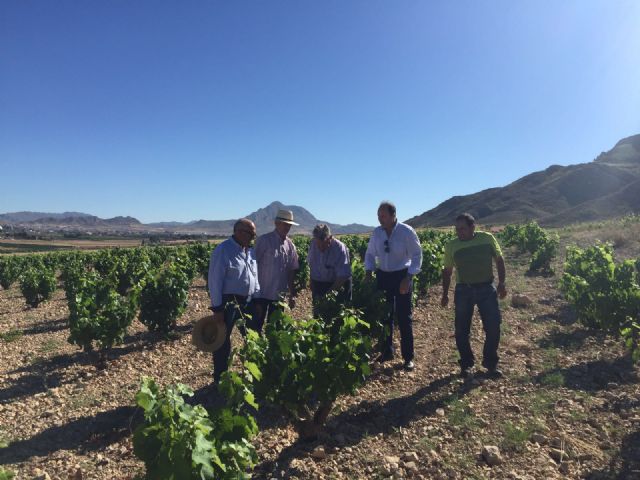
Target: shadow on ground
{"points": [[571, 341], [563, 315], [85, 434], [623, 466], [593, 376], [369, 418], [42, 374], [49, 327]]}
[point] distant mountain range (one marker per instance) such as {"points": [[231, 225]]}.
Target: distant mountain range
{"points": [[66, 218], [263, 218], [607, 187]]}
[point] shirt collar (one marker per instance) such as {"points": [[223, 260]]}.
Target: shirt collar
{"points": [[395, 226], [277, 235], [237, 245]]}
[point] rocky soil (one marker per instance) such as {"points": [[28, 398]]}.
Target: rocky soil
{"points": [[567, 407]]}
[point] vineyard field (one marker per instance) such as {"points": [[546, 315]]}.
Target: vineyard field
{"points": [[568, 406]]}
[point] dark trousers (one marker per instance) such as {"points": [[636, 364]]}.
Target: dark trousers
{"points": [[260, 309], [235, 306], [320, 289], [486, 298], [400, 307]]}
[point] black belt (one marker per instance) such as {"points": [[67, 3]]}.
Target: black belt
{"points": [[476, 285]]}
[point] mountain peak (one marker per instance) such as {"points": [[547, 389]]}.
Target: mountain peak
{"points": [[263, 218], [557, 195], [626, 151]]}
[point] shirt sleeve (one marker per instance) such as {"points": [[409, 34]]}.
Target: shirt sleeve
{"points": [[294, 265], [415, 252], [343, 269], [311, 256], [259, 248], [216, 277], [448, 255], [370, 255], [497, 251], [254, 273]]}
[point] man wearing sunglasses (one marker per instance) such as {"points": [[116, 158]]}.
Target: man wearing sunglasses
{"points": [[233, 279], [394, 252]]}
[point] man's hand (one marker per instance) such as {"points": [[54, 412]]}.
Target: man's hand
{"points": [[405, 285], [444, 301], [502, 290]]}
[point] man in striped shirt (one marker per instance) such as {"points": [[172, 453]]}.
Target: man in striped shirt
{"points": [[277, 264]]}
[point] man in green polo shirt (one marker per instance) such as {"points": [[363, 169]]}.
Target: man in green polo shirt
{"points": [[472, 254]]}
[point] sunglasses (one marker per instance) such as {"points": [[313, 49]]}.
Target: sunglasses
{"points": [[386, 246], [248, 232]]}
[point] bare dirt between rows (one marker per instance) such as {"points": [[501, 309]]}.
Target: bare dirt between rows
{"points": [[568, 407]]}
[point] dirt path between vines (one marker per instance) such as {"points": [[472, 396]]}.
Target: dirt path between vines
{"points": [[568, 407]]}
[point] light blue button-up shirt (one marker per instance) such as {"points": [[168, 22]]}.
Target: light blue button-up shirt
{"points": [[394, 252], [331, 264], [232, 271]]}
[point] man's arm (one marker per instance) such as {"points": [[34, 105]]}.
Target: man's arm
{"points": [[370, 256], [343, 268], [446, 283], [502, 274], [415, 253], [216, 283], [291, 278], [311, 260], [294, 266]]}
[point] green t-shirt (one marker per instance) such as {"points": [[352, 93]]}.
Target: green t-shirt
{"points": [[472, 258]]}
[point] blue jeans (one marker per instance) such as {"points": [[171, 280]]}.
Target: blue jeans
{"points": [[486, 298], [234, 307]]}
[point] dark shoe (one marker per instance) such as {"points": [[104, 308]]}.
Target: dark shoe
{"points": [[384, 357], [494, 373], [465, 372], [409, 366]]}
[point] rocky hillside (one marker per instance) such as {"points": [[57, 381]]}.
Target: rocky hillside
{"points": [[607, 187]]}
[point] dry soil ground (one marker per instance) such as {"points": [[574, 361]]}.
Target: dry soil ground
{"points": [[568, 406]]}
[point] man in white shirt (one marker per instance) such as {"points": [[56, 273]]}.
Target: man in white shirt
{"points": [[394, 252]]}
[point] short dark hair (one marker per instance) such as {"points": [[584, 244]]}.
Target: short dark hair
{"points": [[391, 208], [321, 231], [467, 217], [242, 221]]}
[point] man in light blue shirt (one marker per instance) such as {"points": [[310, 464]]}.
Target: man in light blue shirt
{"points": [[330, 266], [394, 252], [233, 279]]}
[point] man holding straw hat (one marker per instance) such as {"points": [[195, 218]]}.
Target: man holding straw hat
{"points": [[233, 279]]}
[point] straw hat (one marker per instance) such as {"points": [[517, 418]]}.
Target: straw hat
{"points": [[285, 216], [208, 335]]}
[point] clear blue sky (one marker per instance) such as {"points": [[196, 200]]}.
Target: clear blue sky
{"points": [[184, 110]]}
